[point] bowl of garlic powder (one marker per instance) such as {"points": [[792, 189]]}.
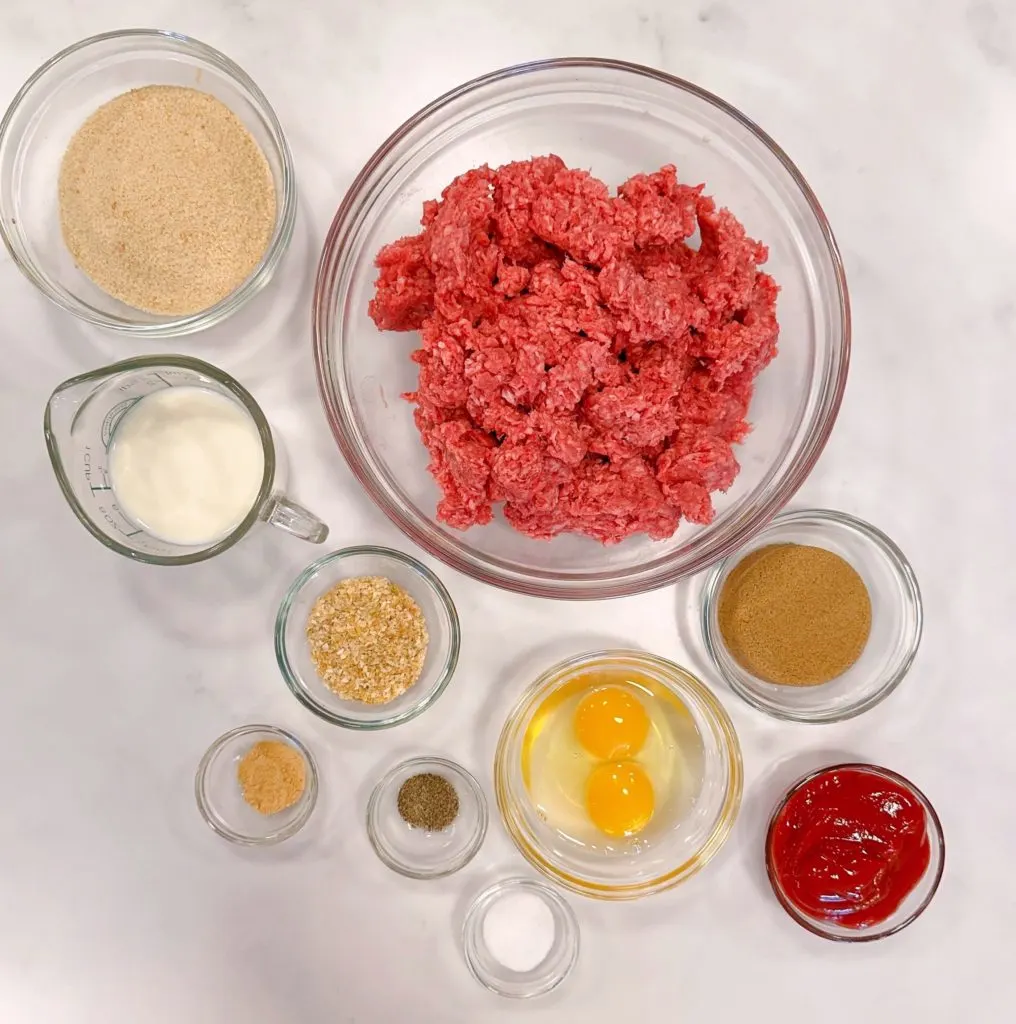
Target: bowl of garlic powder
{"points": [[146, 185]]}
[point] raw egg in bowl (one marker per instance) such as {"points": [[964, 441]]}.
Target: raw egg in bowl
{"points": [[618, 774]]}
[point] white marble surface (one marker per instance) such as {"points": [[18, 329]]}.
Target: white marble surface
{"points": [[118, 906]]}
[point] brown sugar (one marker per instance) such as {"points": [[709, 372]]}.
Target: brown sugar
{"points": [[166, 200], [794, 614], [272, 776]]}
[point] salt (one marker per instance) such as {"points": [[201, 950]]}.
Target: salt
{"points": [[518, 930]]}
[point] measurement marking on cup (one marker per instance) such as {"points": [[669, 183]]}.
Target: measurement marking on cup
{"points": [[163, 379], [105, 485], [107, 514]]}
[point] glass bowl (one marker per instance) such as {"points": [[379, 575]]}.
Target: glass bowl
{"points": [[220, 798], [910, 909], [896, 620], [665, 854], [615, 119], [50, 108], [293, 653], [556, 965], [417, 853]]}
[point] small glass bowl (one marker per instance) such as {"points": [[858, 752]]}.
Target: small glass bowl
{"points": [[910, 909], [293, 652], [415, 852], [220, 798], [555, 967], [50, 108], [660, 859], [896, 620]]}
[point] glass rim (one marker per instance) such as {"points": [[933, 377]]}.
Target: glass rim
{"points": [[140, 363], [933, 826], [489, 569], [292, 678], [285, 217], [687, 686], [902, 571]]}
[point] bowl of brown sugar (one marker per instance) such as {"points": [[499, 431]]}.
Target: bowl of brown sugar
{"points": [[146, 185], [817, 620]]}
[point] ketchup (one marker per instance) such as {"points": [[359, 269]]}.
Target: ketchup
{"points": [[849, 846]]}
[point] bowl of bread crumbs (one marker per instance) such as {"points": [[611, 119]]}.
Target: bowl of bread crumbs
{"points": [[256, 785], [146, 185], [367, 638]]}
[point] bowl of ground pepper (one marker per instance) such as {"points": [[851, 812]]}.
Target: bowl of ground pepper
{"points": [[367, 638], [427, 817], [146, 185], [817, 620], [256, 785]]}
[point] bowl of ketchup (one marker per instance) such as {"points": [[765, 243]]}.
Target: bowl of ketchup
{"points": [[854, 852]]}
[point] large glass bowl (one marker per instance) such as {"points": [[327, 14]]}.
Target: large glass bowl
{"points": [[615, 119]]}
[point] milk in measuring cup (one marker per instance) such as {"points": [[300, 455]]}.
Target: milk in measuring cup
{"points": [[186, 463]]}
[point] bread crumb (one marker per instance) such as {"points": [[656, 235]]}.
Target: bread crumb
{"points": [[166, 200], [368, 639]]}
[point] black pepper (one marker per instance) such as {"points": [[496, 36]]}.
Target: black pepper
{"points": [[428, 801]]}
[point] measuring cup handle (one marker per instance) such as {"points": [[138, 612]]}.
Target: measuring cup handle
{"points": [[295, 519]]}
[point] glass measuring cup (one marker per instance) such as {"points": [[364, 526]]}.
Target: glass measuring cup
{"points": [[81, 419]]}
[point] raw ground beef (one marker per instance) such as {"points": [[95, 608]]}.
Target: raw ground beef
{"points": [[581, 361]]}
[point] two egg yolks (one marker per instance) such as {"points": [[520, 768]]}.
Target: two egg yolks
{"points": [[612, 725]]}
